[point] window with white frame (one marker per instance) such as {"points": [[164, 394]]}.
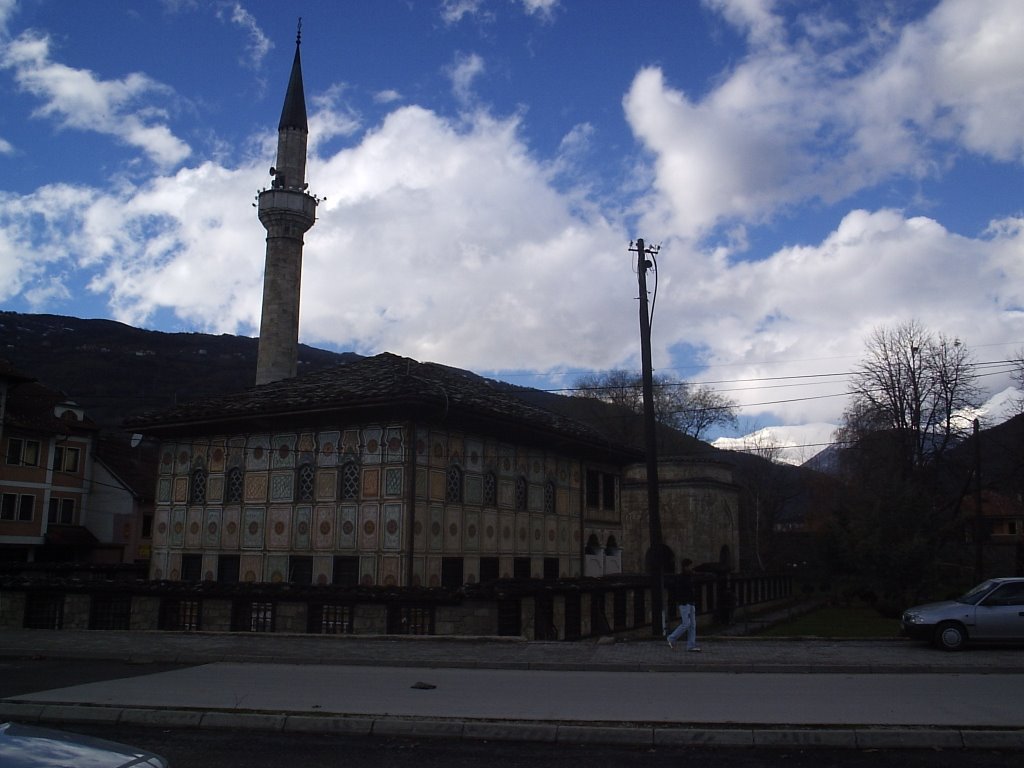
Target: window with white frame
{"points": [[61, 512], [23, 453], [65, 458], [17, 507]]}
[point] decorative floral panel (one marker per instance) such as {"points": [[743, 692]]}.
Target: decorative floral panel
{"points": [[282, 451], [456, 449], [215, 489], [250, 568], [506, 460], [368, 570], [421, 524], [326, 484], [372, 447], [279, 528], [167, 452], [369, 523], [231, 528], [489, 531], [422, 446], [276, 569], [347, 521], [182, 459], [390, 571], [180, 494], [471, 532], [418, 567], [303, 527], [370, 483], [323, 566], [438, 484], [393, 481], [174, 566], [394, 445], [535, 498], [158, 566], [306, 447], [523, 545], [178, 527], [422, 482], [209, 567], [252, 527], [452, 529], [506, 532], [439, 449], [163, 490], [218, 455], [350, 444], [473, 460], [550, 525], [506, 494], [564, 539], [161, 526], [236, 452], [562, 501], [392, 527], [435, 529], [474, 486], [211, 529], [256, 484], [323, 527], [330, 445], [257, 453], [282, 486]]}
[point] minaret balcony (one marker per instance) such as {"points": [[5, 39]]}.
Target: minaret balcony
{"points": [[293, 204]]}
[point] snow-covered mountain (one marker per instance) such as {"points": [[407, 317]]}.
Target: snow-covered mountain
{"points": [[798, 444]]}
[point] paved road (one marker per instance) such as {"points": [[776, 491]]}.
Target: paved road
{"points": [[738, 691]]}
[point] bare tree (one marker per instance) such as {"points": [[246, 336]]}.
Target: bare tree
{"points": [[915, 386], [679, 404]]}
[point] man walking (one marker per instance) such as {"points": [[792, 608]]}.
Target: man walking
{"points": [[681, 593]]}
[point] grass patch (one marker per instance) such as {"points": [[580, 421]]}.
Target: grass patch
{"points": [[836, 621]]}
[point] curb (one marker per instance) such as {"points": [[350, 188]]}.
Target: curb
{"points": [[625, 734]]}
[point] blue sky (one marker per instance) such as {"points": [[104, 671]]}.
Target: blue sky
{"points": [[812, 170]]}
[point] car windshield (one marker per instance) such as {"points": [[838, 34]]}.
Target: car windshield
{"points": [[977, 593]]}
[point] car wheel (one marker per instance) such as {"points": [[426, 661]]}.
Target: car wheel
{"points": [[950, 636]]}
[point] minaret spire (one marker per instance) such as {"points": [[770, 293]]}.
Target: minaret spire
{"points": [[287, 211]]}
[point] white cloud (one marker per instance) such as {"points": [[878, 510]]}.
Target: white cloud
{"points": [[543, 9], [463, 72], [6, 148], [259, 44], [453, 11], [78, 99]]}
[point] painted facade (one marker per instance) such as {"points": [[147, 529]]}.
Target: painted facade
{"points": [[334, 505]]}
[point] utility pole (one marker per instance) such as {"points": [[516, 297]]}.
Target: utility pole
{"points": [[650, 440], [979, 524]]}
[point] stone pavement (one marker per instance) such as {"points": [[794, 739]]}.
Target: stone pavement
{"points": [[739, 691]]}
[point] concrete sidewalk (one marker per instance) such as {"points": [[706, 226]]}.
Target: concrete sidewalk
{"points": [[739, 691]]}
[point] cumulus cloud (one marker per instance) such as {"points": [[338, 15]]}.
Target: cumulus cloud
{"points": [[78, 99], [463, 72]]}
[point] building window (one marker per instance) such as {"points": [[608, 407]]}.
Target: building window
{"points": [[179, 615], [65, 459], [346, 571], [551, 568], [23, 453], [488, 569], [191, 567], [227, 569], [331, 619], [252, 616], [304, 481], [198, 495], [490, 490], [600, 490], [61, 512], [521, 568], [235, 484], [453, 486], [410, 620], [300, 569], [452, 573], [549, 498], [18, 507], [521, 494], [349, 481]]}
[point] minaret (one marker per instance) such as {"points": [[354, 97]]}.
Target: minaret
{"points": [[287, 211]]}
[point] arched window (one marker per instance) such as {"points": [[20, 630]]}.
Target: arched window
{"points": [[198, 494], [453, 485], [349, 480], [549, 498], [235, 486], [521, 494], [490, 490], [304, 482]]}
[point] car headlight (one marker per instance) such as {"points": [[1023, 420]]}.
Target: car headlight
{"points": [[912, 617]]}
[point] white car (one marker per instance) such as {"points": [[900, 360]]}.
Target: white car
{"points": [[991, 612], [26, 746]]}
